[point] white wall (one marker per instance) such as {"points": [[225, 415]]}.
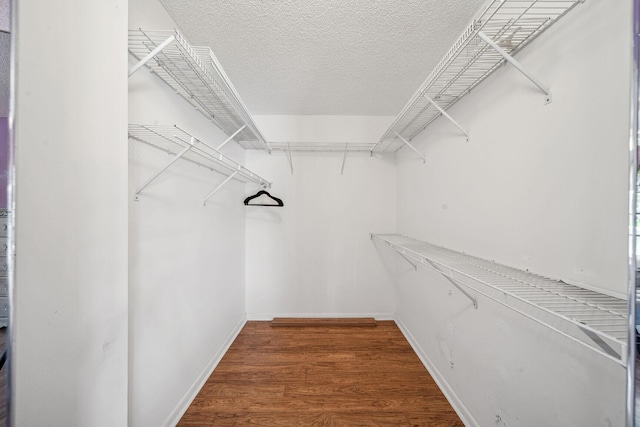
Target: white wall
{"points": [[69, 337], [314, 256], [5, 61], [187, 295], [542, 187], [5, 15]]}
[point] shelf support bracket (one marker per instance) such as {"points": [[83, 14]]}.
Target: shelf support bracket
{"points": [[429, 264], [344, 159], [444, 113], [215, 190], [451, 280], [175, 159], [151, 54], [289, 157], [231, 137], [543, 88], [601, 343], [424, 160], [406, 258]]}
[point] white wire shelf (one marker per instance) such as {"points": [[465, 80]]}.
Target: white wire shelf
{"points": [[595, 320], [322, 147], [511, 24], [182, 145], [196, 75]]}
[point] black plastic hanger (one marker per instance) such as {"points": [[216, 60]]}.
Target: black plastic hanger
{"points": [[260, 193]]}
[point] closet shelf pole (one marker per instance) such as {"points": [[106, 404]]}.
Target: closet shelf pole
{"points": [[175, 159], [229, 178], [444, 113], [543, 88], [408, 144], [231, 137], [151, 54]]}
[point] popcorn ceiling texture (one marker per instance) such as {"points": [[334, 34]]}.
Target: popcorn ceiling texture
{"points": [[358, 57]]}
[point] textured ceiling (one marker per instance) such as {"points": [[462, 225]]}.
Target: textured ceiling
{"points": [[357, 57]]}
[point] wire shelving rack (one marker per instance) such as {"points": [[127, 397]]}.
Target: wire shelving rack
{"points": [[322, 147], [196, 75], [509, 25], [592, 319], [182, 145]]}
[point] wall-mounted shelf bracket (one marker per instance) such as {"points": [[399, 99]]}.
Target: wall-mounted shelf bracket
{"points": [[408, 144], [606, 348], [444, 113], [231, 137], [289, 158], [429, 264], [151, 54], [449, 276], [344, 159], [415, 266], [164, 169], [543, 88], [215, 190]]}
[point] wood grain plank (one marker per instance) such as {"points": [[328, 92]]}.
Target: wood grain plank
{"points": [[320, 376], [334, 322]]}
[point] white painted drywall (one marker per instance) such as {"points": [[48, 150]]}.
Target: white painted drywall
{"points": [[313, 257], [5, 15], [69, 337], [542, 187], [187, 295], [5, 73]]}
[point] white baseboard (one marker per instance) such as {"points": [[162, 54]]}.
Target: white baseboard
{"points": [[270, 316], [191, 394], [446, 389]]}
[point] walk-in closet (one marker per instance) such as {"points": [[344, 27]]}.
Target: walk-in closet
{"points": [[321, 213]]}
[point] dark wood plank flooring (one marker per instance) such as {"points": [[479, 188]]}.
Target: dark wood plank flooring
{"points": [[320, 376], [367, 322]]}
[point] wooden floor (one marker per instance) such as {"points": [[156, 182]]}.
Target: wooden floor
{"points": [[320, 376]]}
